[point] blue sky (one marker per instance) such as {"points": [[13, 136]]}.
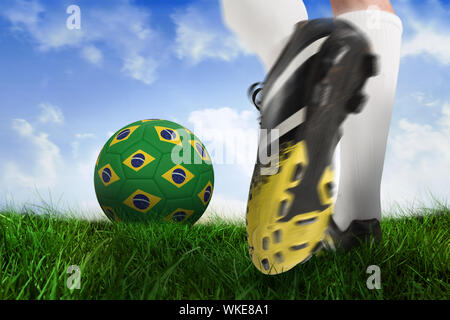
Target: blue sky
{"points": [[63, 92]]}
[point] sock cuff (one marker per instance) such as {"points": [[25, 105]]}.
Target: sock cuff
{"points": [[370, 18]]}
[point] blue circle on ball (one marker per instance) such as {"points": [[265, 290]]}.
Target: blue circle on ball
{"points": [[179, 216], [200, 149], [141, 201], [207, 194], [123, 134], [138, 160], [178, 176], [168, 134], [106, 175]]}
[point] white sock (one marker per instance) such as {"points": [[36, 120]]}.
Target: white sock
{"points": [[264, 26], [363, 145]]}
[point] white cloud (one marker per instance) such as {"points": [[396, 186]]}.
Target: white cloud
{"points": [[76, 144], [50, 114], [45, 176], [84, 135], [425, 99], [430, 30], [125, 29], [140, 68], [418, 161], [27, 17], [432, 103], [92, 54], [44, 160], [418, 96], [444, 121], [24, 14], [430, 41], [22, 127], [198, 36], [229, 136], [121, 28]]}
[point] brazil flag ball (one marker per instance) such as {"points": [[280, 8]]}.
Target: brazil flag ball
{"points": [[154, 171]]}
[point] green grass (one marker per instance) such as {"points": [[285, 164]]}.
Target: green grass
{"points": [[210, 261]]}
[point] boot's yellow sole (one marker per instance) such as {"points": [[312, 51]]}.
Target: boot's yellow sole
{"points": [[277, 246]]}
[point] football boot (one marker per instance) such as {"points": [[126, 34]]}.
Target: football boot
{"points": [[315, 83], [359, 231]]}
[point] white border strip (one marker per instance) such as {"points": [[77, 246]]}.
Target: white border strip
{"points": [[300, 59]]}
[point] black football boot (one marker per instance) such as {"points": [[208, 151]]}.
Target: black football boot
{"points": [[315, 83], [359, 231]]}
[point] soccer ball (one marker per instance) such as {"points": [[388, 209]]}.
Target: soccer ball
{"points": [[154, 171]]}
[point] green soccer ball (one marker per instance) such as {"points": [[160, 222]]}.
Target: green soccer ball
{"points": [[154, 171]]}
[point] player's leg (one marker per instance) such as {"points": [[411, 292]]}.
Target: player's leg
{"points": [[263, 26], [344, 6], [363, 145]]}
